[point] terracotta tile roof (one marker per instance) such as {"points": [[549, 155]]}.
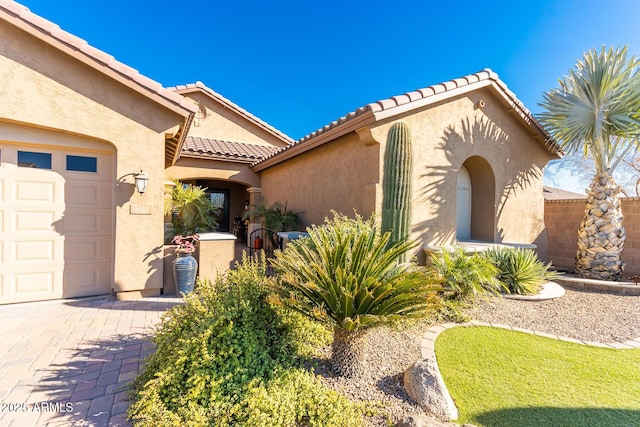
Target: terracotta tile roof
{"points": [[20, 16], [199, 86], [393, 106], [225, 150]]}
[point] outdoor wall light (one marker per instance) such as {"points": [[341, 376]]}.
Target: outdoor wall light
{"points": [[141, 181]]}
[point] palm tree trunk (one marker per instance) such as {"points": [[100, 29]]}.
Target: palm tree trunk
{"points": [[348, 353], [601, 234]]}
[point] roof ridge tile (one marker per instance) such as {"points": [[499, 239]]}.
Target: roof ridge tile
{"points": [[423, 93]]}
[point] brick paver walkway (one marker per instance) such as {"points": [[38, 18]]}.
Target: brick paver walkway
{"points": [[67, 363]]}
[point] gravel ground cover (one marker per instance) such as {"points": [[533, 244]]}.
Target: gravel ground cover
{"points": [[581, 315]]}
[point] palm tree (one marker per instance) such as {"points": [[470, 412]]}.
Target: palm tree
{"points": [[344, 275], [596, 111], [190, 209]]}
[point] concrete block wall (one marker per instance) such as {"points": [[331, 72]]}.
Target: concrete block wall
{"points": [[562, 219]]}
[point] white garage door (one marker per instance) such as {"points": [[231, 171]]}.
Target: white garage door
{"points": [[56, 216]]}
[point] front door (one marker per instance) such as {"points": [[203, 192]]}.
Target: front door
{"points": [[220, 200]]}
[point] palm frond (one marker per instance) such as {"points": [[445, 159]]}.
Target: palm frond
{"points": [[596, 108], [345, 269]]}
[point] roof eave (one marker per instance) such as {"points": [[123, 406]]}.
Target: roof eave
{"points": [[209, 157], [202, 88], [302, 146]]}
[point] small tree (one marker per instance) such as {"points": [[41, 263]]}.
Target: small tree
{"points": [[347, 275], [276, 217], [596, 111], [190, 208]]}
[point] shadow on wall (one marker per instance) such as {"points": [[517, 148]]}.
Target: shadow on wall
{"points": [[464, 145], [478, 145]]}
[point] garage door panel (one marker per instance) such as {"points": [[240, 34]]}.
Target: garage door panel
{"points": [[34, 221], [82, 280], [87, 249], [87, 221], [34, 191], [34, 251], [95, 195], [33, 282]]}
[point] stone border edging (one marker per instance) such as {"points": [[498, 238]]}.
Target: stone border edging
{"points": [[580, 284], [427, 344]]}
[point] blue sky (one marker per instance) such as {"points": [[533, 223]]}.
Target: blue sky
{"points": [[301, 64]]}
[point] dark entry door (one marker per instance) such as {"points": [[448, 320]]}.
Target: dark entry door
{"points": [[220, 200]]}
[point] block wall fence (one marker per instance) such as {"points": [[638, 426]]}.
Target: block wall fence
{"points": [[562, 218]]}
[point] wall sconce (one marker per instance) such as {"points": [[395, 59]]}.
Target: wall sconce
{"points": [[141, 181]]}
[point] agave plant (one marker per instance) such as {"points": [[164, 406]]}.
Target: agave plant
{"points": [[344, 274], [520, 269], [596, 111], [465, 276]]}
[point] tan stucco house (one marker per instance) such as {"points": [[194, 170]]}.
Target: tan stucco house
{"points": [[77, 126]]}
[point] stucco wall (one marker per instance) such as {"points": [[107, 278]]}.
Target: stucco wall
{"points": [[487, 141], [562, 219], [223, 123], [342, 176], [346, 174], [45, 88]]}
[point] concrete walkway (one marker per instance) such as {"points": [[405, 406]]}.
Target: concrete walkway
{"points": [[67, 363]]}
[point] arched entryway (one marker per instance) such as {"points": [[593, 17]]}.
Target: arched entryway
{"points": [[475, 201]]}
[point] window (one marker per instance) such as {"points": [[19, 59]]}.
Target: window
{"points": [[30, 159], [82, 163]]}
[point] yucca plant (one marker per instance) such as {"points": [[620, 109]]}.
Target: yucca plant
{"points": [[343, 274], [520, 270], [465, 276]]}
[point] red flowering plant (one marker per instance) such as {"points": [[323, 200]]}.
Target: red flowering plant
{"points": [[186, 244]]}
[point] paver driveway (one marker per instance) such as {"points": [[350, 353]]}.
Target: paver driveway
{"points": [[66, 363]]}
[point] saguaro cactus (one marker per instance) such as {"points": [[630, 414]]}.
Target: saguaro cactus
{"points": [[396, 182]]}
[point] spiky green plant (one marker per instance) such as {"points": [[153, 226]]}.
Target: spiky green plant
{"points": [[396, 183], [191, 210], [520, 270], [596, 110], [346, 274], [465, 276]]}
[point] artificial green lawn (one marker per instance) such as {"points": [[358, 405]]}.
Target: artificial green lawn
{"points": [[499, 377]]}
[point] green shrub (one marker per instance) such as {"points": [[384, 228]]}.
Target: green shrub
{"points": [[465, 276], [347, 275], [298, 398], [520, 270], [215, 352]]}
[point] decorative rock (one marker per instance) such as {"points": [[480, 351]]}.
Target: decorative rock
{"points": [[421, 420], [424, 384]]}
